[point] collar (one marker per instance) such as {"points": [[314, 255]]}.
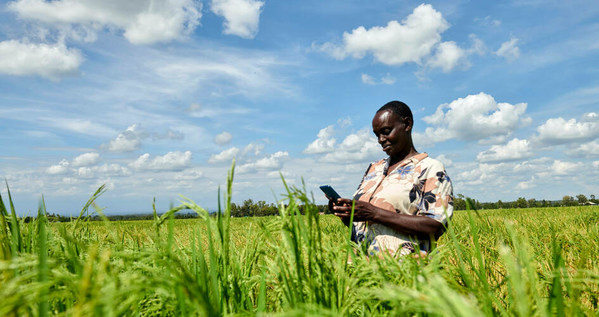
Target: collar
{"points": [[414, 159]]}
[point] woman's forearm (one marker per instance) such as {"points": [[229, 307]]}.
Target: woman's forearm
{"points": [[418, 226]]}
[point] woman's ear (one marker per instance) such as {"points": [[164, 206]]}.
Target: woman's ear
{"points": [[408, 124]]}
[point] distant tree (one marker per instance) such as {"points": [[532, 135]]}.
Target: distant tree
{"points": [[532, 203], [582, 199], [521, 202], [500, 204], [567, 200], [593, 198], [459, 203]]}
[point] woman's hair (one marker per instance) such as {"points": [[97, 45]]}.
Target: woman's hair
{"points": [[399, 108]]}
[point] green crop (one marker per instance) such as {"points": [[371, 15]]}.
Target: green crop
{"points": [[525, 262]]}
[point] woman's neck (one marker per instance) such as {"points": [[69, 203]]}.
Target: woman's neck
{"points": [[393, 160]]}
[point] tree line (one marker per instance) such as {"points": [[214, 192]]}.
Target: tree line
{"points": [[459, 202], [251, 208]]}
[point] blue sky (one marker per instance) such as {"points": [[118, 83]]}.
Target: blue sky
{"points": [[156, 98]]}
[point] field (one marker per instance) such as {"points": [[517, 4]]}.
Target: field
{"points": [[525, 262]]}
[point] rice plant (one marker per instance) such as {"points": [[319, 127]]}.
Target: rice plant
{"points": [[532, 262]]}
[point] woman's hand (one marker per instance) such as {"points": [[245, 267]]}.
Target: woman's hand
{"points": [[363, 211]]}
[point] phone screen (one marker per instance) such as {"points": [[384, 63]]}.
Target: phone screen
{"points": [[329, 191]]}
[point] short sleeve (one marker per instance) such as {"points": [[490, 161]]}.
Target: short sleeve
{"points": [[437, 193]]}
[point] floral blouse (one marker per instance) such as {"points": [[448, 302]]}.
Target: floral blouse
{"points": [[417, 186]]}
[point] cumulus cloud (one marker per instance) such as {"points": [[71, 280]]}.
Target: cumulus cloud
{"points": [[190, 174], [475, 117], [509, 50], [269, 163], [416, 39], [590, 149], [388, 79], [168, 162], [127, 141], [51, 61], [447, 56], [86, 159], [514, 150], [241, 16], [385, 80], [61, 168], [224, 156], [223, 138], [102, 170], [410, 40], [356, 147], [324, 143], [560, 131], [526, 184], [561, 168], [447, 162], [142, 22], [367, 79]]}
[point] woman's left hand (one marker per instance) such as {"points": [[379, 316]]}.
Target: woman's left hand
{"points": [[363, 211]]}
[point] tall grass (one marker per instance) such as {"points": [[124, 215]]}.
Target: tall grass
{"points": [[534, 262]]}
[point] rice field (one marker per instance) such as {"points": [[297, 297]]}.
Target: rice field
{"points": [[524, 262]]}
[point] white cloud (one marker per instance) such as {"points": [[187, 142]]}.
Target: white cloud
{"points": [[559, 131], [447, 162], [557, 169], [224, 156], [190, 174], [357, 147], [51, 61], [509, 50], [223, 138], [272, 162], [590, 149], [222, 71], [560, 168], [514, 150], [447, 56], [169, 161], [127, 141], [86, 159], [143, 22], [324, 143], [254, 147], [58, 169], [368, 80], [385, 80], [596, 164], [241, 16], [412, 40], [526, 184], [388, 79], [475, 117]]}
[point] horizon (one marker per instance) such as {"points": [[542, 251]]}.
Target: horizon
{"points": [[156, 100]]}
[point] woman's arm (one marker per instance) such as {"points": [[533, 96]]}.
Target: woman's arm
{"points": [[419, 226]]}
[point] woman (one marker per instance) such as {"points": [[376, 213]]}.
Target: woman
{"points": [[404, 200]]}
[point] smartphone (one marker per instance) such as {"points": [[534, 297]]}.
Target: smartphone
{"points": [[329, 191]]}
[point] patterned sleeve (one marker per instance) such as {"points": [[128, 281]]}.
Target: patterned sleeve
{"points": [[437, 194]]}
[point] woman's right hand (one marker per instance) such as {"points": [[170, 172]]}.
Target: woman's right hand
{"points": [[333, 203]]}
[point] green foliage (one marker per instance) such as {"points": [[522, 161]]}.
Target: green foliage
{"points": [[525, 262]]}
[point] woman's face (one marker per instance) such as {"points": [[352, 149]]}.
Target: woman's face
{"points": [[393, 133]]}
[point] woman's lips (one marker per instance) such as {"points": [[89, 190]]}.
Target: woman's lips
{"points": [[386, 148]]}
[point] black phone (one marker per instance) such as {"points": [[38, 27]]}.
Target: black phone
{"points": [[329, 191]]}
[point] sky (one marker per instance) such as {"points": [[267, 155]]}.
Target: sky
{"points": [[156, 98]]}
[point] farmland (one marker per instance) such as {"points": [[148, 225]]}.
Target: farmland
{"points": [[524, 262]]}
